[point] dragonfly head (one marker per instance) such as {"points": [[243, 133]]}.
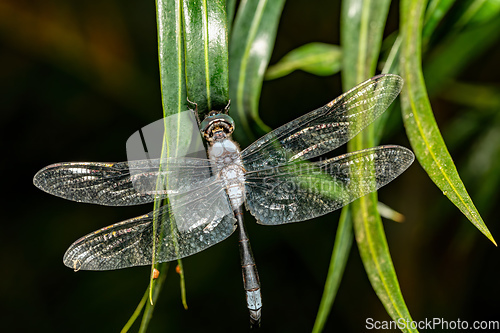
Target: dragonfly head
{"points": [[216, 126]]}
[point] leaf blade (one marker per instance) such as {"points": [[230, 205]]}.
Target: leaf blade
{"points": [[315, 58], [338, 261], [362, 27], [150, 306], [252, 41], [206, 56], [174, 101], [434, 14], [136, 313], [192, 61], [421, 127], [455, 52]]}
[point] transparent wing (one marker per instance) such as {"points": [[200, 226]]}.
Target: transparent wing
{"points": [[326, 128], [206, 219], [303, 190], [112, 184]]}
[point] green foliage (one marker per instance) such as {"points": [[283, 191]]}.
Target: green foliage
{"points": [[420, 124], [362, 26], [194, 65], [251, 44], [340, 254], [193, 59], [80, 76], [315, 58]]}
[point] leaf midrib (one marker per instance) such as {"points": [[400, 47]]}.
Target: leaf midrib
{"points": [[206, 53]]}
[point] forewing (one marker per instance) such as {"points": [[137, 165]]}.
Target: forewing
{"points": [[326, 128], [112, 184], [304, 190], [130, 243]]}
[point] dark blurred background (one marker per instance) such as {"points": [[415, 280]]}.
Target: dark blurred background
{"points": [[78, 78]]}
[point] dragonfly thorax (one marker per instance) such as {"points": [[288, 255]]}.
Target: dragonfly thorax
{"points": [[217, 126], [226, 160]]}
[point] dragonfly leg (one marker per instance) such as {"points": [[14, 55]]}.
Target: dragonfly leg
{"points": [[226, 109]]}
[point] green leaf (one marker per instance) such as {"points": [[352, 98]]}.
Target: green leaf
{"points": [[136, 313], [316, 58], [171, 56], [478, 12], [456, 51], [150, 306], [205, 47], [362, 26], [193, 59], [173, 92], [389, 213], [206, 56], [340, 254], [436, 10], [252, 41], [419, 121], [148, 312], [180, 270], [230, 9]]}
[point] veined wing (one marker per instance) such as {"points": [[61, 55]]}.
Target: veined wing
{"points": [[303, 190], [196, 221], [326, 128], [113, 184]]}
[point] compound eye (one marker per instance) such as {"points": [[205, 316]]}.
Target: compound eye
{"points": [[229, 121], [204, 125]]}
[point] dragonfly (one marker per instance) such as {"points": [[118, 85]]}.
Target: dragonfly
{"points": [[274, 178]]}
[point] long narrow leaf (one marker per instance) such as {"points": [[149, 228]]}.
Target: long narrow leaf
{"points": [[230, 10], [252, 41], [148, 311], [453, 54], [137, 312], [206, 56], [192, 48], [420, 124], [340, 254], [204, 33], [434, 14], [171, 56], [362, 27], [171, 59], [478, 12], [316, 58]]}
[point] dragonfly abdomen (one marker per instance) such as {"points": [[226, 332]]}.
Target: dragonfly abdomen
{"points": [[251, 281]]}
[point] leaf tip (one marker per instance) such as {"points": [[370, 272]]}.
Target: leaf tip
{"points": [[490, 237]]}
